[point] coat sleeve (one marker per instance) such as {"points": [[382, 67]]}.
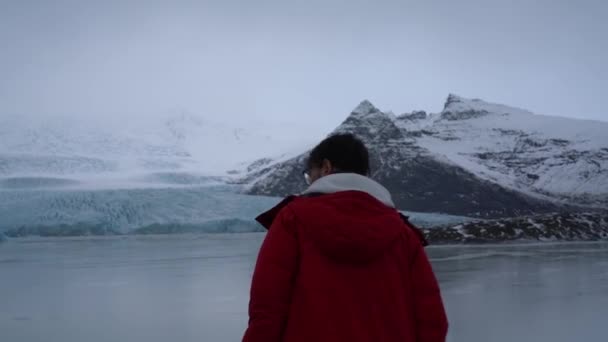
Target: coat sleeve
{"points": [[431, 321], [273, 281]]}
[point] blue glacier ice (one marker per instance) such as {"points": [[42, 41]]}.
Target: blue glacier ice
{"points": [[26, 209], [151, 210]]}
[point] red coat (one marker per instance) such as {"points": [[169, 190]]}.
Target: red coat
{"points": [[343, 267]]}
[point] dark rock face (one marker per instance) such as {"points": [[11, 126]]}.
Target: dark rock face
{"points": [[279, 180], [424, 184], [417, 180], [450, 114], [589, 226], [414, 116], [469, 114]]}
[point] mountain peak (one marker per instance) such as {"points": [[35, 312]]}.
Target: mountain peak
{"points": [[460, 108], [452, 98], [458, 102], [364, 108], [369, 123]]}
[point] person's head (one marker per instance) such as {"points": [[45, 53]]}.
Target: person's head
{"points": [[339, 153]]}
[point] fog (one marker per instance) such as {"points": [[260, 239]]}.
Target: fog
{"points": [[305, 64]]}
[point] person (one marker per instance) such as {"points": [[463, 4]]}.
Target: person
{"points": [[339, 263]]}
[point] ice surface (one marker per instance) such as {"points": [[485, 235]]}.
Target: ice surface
{"points": [[35, 182], [148, 210], [432, 220], [211, 208], [195, 288]]}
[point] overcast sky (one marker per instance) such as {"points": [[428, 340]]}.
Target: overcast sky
{"points": [[302, 62]]}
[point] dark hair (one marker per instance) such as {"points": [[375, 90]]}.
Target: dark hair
{"points": [[345, 152]]}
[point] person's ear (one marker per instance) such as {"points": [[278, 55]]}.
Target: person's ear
{"points": [[326, 167]]}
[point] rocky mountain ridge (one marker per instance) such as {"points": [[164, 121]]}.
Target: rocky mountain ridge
{"points": [[474, 159]]}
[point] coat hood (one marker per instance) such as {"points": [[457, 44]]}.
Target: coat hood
{"points": [[348, 217], [348, 226], [354, 220]]}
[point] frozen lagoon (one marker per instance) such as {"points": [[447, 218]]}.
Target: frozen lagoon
{"points": [[195, 288]]}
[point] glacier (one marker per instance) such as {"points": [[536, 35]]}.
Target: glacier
{"points": [[211, 208], [65, 176], [121, 211]]}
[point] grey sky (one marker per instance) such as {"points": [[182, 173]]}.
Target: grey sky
{"points": [[305, 62]]}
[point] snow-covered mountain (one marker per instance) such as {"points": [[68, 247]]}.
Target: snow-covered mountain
{"points": [[559, 157], [110, 153], [474, 159]]}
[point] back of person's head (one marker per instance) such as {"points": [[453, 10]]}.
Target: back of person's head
{"points": [[345, 152]]}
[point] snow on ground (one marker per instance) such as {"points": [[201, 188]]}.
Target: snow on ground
{"points": [[521, 150]]}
